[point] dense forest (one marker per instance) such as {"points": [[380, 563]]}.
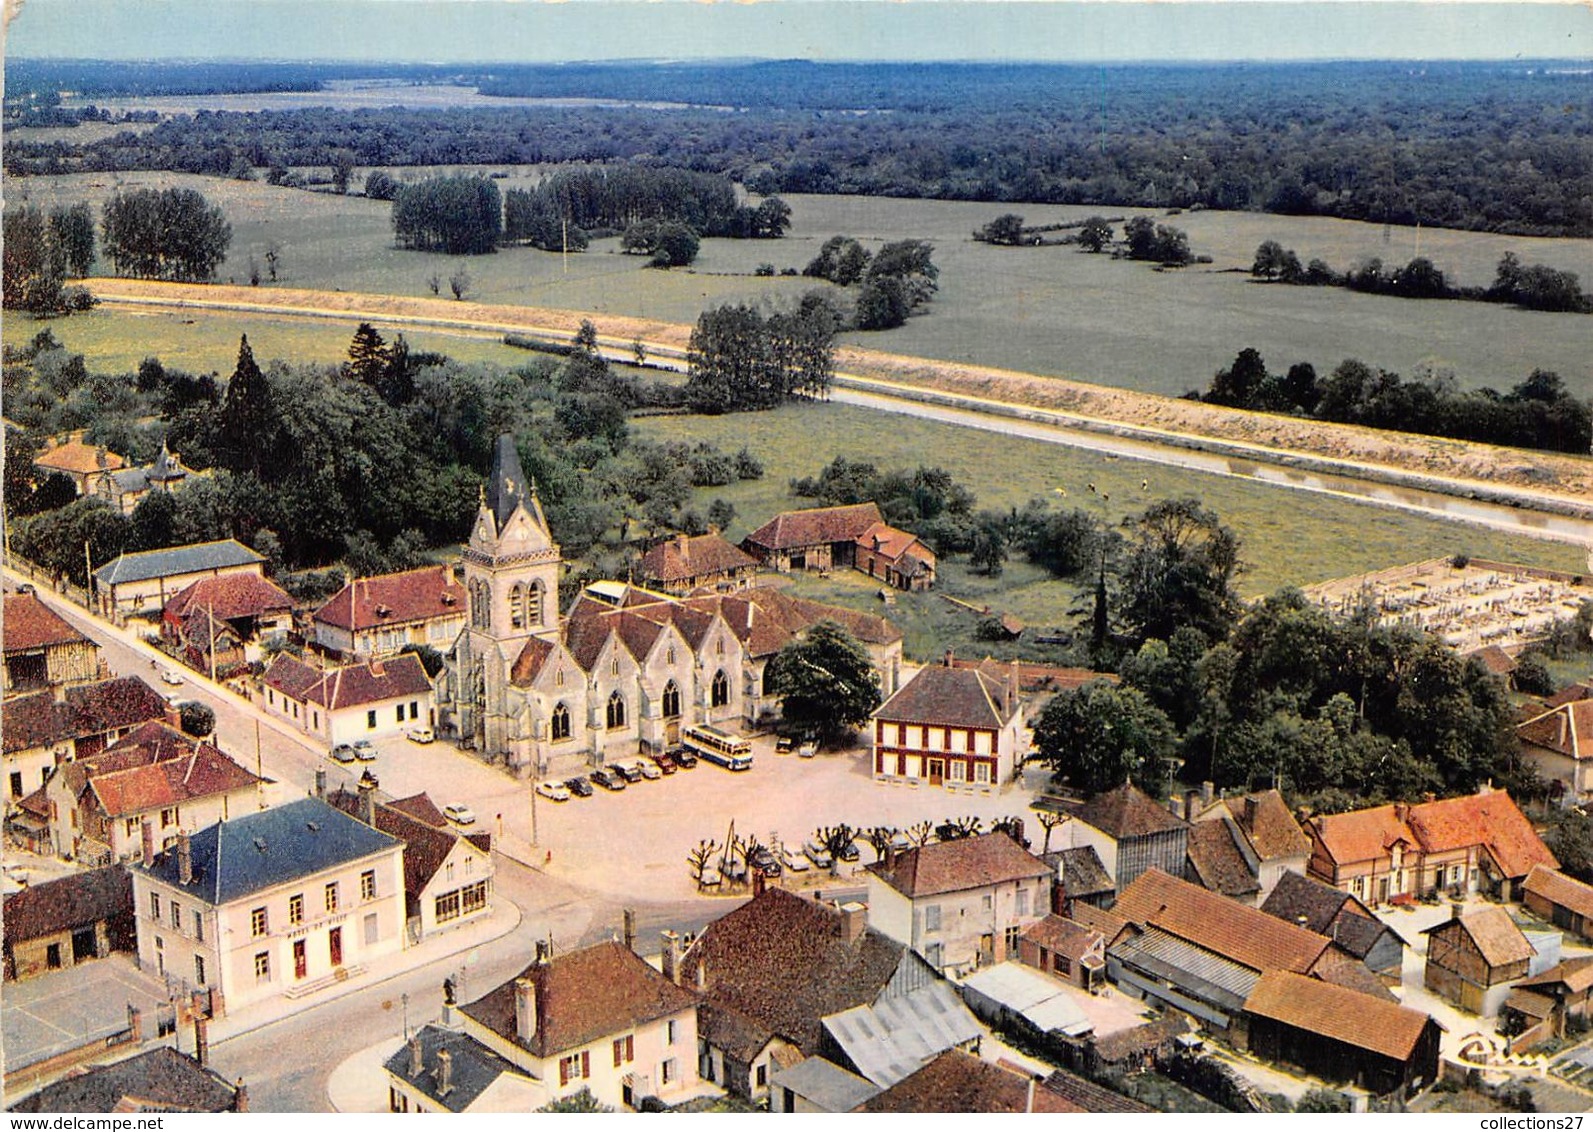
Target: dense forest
{"points": [[1499, 147]]}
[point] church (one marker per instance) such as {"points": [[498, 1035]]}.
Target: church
{"points": [[621, 673]]}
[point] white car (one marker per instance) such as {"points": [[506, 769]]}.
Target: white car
{"points": [[460, 815], [794, 862], [171, 676], [554, 791], [818, 854], [807, 750], [649, 769], [420, 735], [364, 750]]}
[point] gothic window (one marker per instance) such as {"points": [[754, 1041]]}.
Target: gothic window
{"points": [[533, 604], [616, 711], [671, 700], [669, 655], [480, 605], [721, 689], [517, 606], [561, 721]]}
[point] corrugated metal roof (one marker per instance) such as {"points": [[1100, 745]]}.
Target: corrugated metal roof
{"points": [[825, 1084], [1186, 965], [891, 1039], [1046, 1004]]}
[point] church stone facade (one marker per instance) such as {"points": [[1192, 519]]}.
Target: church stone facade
{"points": [[625, 669]]}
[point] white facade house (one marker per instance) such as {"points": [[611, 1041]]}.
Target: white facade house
{"points": [[281, 903], [378, 616], [358, 701]]}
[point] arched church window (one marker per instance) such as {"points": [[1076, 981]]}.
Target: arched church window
{"points": [[517, 606], [616, 711], [561, 721], [671, 700], [533, 604], [720, 691], [480, 604]]}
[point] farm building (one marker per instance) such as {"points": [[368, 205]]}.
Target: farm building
{"points": [[1474, 956], [142, 583], [1563, 901], [684, 564], [61, 923], [1550, 999], [42, 650], [897, 558], [818, 538], [1341, 1035], [1351, 926], [1129, 832], [1262, 828], [243, 609]]}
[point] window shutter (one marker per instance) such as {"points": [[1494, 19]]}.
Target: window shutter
{"points": [[630, 1047], [586, 1063], [617, 1054], [564, 1071]]}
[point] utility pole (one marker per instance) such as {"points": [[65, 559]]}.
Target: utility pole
{"points": [[259, 768], [88, 577]]}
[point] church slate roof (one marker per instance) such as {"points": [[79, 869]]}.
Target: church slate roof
{"points": [[508, 486]]}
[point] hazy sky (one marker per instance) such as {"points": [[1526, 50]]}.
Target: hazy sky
{"points": [[540, 30]]}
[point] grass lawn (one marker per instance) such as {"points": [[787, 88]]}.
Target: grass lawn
{"points": [[1047, 310], [1289, 538]]}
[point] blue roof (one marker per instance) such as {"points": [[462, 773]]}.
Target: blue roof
{"points": [[175, 560], [232, 859], [475, 1067]]}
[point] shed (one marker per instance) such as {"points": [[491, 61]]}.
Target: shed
{"points": [[1013, 994]]}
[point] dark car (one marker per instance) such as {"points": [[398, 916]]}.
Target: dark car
{"points": [[848, 852], [665, 763], [578, 786], [784, 745], [684, 759], [608, 779], [630, 772], [765, 862]]}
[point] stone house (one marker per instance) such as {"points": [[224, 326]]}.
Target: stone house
{"points": [[141, 584], [357, 701], [1474, 956], [949, 726], [1559, 742], [70, 920], [1265, 832], [898, 558], [445, 1070], [84, 464], [42, 731], [377, 617]]}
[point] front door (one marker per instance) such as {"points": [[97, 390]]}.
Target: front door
{"points": [[52, 956], [937, 771], [1382, 890], [334, 941], [301, 962]]}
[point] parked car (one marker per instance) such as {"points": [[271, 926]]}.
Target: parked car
{"points": [[171, 676], [784, 745], [578, 786], [794, 861], [808, 749], [553, 791], [733, 869], [849, 852], [608, 778], [818, 854], [364, 751], [460, 814], [764, 860], [684, 759], [648, 769], [665, 762], [421, 735], [345, 753]]}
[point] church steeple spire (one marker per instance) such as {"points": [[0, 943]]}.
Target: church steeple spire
{"points": [[508, 487]]}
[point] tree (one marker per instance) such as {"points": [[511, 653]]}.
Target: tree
{"points": [[248, 416], [989, 553], [1532, 675], [367, 356], [826, 682], [1269, 260], [1095, 234], [32, 272], [698, 859], [1323, 1100], [1006, 230], [837, 841], [342, 171], [459, 283], [1049, 820], [841, 260], [1571, 841], [72, 238], [196, 719], [1097, 735], [675, 246], [581, 1100], [1239, 386], [380, 185], [452, 215], [721, 513], [1179, 571], [165, 234], [770, 219], [585, 338]]}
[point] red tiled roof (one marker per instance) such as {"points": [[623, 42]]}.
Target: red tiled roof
{"points": [[1334, 1012], [959, 1082], [815, 526], [1363, 835], [1063, 936], [1557, 888], [1126, 811], [230, 596], [1498, 938], [1342, 969], [891, 543], [394, 599], [582, 997], [37, 719], [422, 809], [1243, 934], [30, 624], [1566, 728], [1494, 659], [948, 697], [76, 457], [1037, 677], [1575, 973], [528, 665], [1218, 862], [1582, 690], [204, 773], [682, 559], [353, 685], [1271, 828], [1491, 819], [956, 866], [1102, 920]]}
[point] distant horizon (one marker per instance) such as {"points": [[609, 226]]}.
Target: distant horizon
{"points": [[490, 32], [759, 60]]}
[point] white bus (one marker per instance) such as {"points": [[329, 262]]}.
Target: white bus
{"points": [[718, 747]]}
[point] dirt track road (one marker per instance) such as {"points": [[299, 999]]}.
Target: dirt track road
{"points": [[1458, 479]]}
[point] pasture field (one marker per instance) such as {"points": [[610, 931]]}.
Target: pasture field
{"points": [[1047, 310], [1290, 538]]}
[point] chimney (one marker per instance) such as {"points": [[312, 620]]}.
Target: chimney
{"points": [[680, 544], [1208, 793], [950, 659], [1250, 811], [416, 1064], [185, 859], [1012, 687], [1485, 789], [174, 716], [201, 1040], [148, 842], [1456, 910], [890, 857], [1401, 811], [854, 918], [525, 1009], [445, 1072], [1175, 806], [320, 782], [135, 1023], [630, 929], [1190, 805], [669, 957], [759, 882], [367, 799], [702, 974], [240, 1097]]}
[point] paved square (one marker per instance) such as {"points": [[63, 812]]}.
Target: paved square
{"points": [[60, 1010]]}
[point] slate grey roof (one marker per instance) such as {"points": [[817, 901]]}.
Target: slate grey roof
{"points": [[475, 1067], [232, 859], [159, 1080], [890, 1039], [508, 487], [825, 1084], [175, 560]]}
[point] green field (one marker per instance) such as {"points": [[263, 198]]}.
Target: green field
{"points": [[1289, 538], [1048, 310]]}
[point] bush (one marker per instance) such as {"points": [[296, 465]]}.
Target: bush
{"points": [[196, 719]]}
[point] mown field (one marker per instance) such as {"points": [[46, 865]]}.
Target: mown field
{"points": [[1046, 310], [1289, 538]]}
